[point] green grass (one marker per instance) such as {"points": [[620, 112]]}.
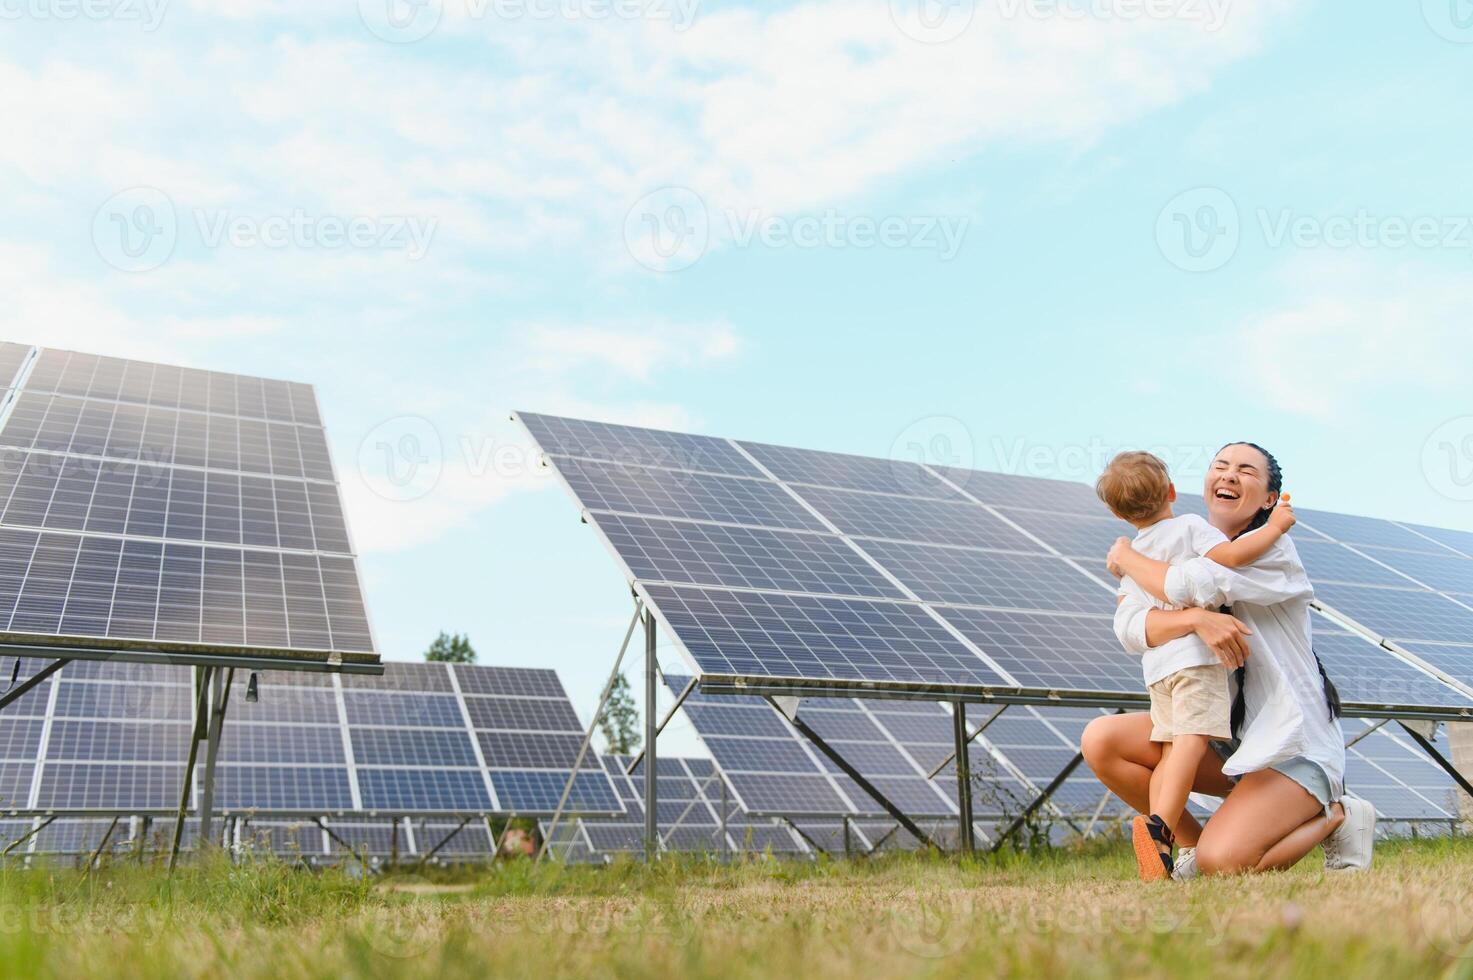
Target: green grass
{"points": [[1065, 913]]}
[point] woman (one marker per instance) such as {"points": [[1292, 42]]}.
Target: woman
{"points": [[1283, 778]]}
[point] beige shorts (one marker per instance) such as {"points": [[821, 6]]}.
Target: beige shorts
{"points": [[1192, 701]]}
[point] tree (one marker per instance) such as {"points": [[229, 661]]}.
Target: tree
{"points": [[619, 724], [451, 649]]}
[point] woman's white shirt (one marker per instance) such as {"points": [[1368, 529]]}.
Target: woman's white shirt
{"points": [[1285, 710]]}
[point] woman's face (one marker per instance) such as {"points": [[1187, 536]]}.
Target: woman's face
{"points": [[1237, 488]]}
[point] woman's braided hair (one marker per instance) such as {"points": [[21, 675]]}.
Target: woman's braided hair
{"points": [[1275, 486]]}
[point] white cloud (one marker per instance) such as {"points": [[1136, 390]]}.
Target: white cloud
{"points": [[636, 351], [1353, 329]]}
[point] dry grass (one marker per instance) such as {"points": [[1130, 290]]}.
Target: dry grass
{"points": [[1064, 914]]}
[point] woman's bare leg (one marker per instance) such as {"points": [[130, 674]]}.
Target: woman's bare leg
{"points": [[1268, 821], [1119, 750], [1311, 834]]}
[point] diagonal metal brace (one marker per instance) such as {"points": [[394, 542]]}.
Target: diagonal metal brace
{"points": [[1438, 757], [833, 756], [1042, 798]]}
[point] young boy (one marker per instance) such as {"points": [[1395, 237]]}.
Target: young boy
{"points": [[1190, 702]]}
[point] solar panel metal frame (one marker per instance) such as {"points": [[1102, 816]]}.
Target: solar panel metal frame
{"points": [[955, 490], [198, 653]]}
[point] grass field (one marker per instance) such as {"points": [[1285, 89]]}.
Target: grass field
{"points": [[1064, 913]]}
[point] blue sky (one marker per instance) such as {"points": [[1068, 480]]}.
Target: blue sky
{"points": [[1041, 231]]}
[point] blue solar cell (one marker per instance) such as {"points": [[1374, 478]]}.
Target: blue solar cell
{"points": [[1327, 561], [765, 635], [390, 747], [709, 554], [403, 710], [1058, 653], [759, 755], [1351, 529], [15, 784], [527, 751], [987, 578], [1445, 572], [678, 494], [512, 681], [1459, 541], [423, 790], [757, 721], [903, 519], [1366, 674], [100, 741], [312, 789], [529, 792], [1031, 492], [19, 738], [627, 444], [285, 743], [522, 714], [106, 786], [894, 476], [1399, 614], [1085, 537], [788, 795], [123, 701], [1453, 659]]}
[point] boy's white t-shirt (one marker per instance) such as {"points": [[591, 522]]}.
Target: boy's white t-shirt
{"points": [[1174, 540]]}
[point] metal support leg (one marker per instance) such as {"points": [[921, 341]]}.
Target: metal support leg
{"points": [[1368, 732], [92, 859], [394, 843], [848, 846], [1043, 798], [603, 700], [28, 835], [342, 843], [219, 699], [970, 739], [965, 840], [1438, 758], [725, 840], [30, 683], [201, 716], [445, 840], [651, 732]]}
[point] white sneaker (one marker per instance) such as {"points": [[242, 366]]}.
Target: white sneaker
{"points": [[1350, 847], [1186, 864]]}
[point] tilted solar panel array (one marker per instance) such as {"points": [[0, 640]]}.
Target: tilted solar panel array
{"points": [[1405, 584], [167, 508], [778, 567], [689, 817], [422, 738]]}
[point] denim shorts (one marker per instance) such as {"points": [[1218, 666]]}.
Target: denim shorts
{"points": [[1308, 774]]}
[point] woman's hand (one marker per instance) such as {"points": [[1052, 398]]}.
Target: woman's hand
{"points": [[1225, 636]]}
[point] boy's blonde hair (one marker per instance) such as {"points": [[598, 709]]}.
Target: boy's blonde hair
{"points": [[1135, 486]]}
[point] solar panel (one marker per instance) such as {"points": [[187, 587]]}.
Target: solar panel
{"points": [[114, 738], [689, 817], [164, 508], [1397, 777], [1368, 678], [1000, 592]]}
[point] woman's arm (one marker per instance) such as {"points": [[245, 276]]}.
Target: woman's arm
{"points": [[1140, 627]]}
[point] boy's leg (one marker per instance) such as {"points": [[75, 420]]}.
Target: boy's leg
{"points": [[1157, 775], [1171, 784]]}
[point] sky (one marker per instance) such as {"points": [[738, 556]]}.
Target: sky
{"points": [[1012, 234]]}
